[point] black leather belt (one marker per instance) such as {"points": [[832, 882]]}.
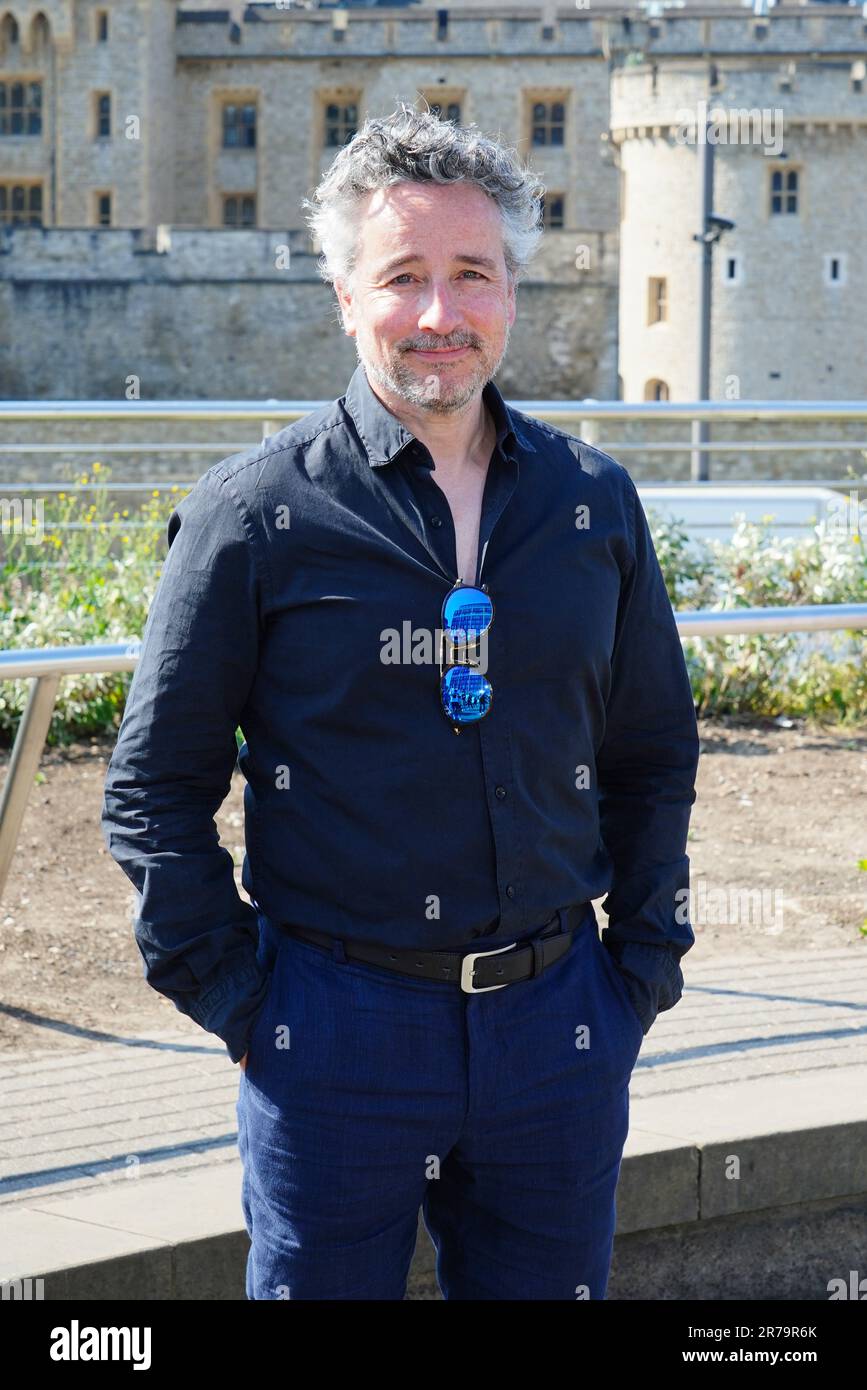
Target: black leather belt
{"points": [[474, 971]]}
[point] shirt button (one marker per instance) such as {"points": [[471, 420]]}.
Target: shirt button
{"points": [[436, 521], [501, 792], [510, 892]]}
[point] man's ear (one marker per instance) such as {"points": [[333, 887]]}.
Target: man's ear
{"points": [[344, 299]]}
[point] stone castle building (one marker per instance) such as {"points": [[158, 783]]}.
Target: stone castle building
{"points": [[154, 154]]}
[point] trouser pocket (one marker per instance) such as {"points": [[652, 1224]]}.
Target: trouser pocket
{"points": [[620, 985]]}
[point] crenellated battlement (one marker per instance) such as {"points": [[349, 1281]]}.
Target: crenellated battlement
{"points": [[814, 91], [520, 30]]}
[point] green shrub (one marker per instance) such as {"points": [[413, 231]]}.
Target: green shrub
{"points": [[77, 587], [94, 584], [819, 675]]}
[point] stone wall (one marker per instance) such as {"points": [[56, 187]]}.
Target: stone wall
{"points": [[213, 317]]}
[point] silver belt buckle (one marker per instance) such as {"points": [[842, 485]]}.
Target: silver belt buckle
{"points": [[468, 963]]}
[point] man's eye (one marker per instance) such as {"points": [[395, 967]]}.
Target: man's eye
{"points": [[406, 275]]}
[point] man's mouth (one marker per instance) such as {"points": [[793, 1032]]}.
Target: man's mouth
{"points": [[440, 353]]}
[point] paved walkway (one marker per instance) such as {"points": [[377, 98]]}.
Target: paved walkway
{"points": [[754, 1049]]}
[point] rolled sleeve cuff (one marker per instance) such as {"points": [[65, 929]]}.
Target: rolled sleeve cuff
{"points": [[229, 1007], [652, 975]]}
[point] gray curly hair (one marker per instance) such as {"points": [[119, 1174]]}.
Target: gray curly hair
{"points": [[418, 147]]}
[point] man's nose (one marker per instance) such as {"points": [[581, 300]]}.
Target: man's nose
{"points": [[441, 313]]}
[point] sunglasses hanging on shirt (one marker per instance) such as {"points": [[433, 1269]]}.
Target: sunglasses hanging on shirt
{"points": [[465, 692]]}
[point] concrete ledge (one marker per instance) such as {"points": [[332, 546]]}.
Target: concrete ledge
{"points": [[727, 1149], [757, 1214]]}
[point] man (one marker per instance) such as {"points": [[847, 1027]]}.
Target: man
{"points": [[443, 631]]}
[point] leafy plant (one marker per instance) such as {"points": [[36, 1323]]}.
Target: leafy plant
{"points": [[94, 574], [88, 579]]}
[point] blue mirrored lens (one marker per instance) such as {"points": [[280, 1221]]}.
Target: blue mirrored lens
{"points": [[467, 613], [466, 694]]}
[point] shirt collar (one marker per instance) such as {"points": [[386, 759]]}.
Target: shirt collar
{"points": [[383, 435]]}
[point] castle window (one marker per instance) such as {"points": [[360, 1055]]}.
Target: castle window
{"points": [[21, 204], [239, 126], [835, 269], [9, 30], [102, 202], [239, 210], [20, 108], [450, 112], [552, 214], [102, 26], [784, 190], [731, 269], [656, 390], [341, 123], [549, 122], [657, 299], [103, 115]]}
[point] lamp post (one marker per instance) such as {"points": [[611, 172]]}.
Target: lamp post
{"points": [[713, 228]]}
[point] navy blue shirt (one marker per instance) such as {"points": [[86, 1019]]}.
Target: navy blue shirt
{"points": [[290, 567]]}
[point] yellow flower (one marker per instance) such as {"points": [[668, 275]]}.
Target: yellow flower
{"points": [[61, 495], [84, 478], [175, 488], [124, 539], [155, 492], [96, 467]]}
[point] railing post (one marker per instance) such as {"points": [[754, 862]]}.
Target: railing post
{"points": [[699, 458], [23, 766]]}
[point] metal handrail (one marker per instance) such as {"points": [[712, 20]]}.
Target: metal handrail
{"points": [[46, 666], [166, 484], [720, 622], [586, 414], [588, 409]]}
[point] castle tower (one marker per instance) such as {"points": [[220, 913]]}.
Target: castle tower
{"points": [[87, 106], [786, 98]]}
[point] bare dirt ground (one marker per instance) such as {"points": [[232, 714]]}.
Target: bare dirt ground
{"points": [[778, 810]]}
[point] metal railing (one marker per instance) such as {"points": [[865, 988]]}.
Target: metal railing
{"points": [[44, 669], [586, 415]]}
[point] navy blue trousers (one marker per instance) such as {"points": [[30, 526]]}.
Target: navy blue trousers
{"points": [[368, 1095]]}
